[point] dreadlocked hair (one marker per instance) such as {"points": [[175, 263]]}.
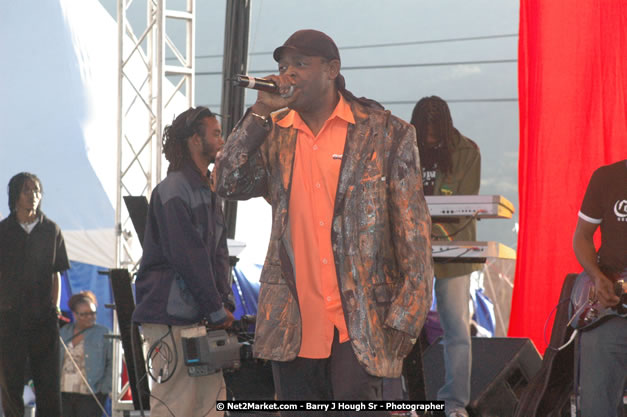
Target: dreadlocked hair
{"points": [[16, 184], [175, 136], [340, 83], [433, 112]]}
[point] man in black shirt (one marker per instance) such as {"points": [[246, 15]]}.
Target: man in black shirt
{"points": [[32, 255], [602, 363]]}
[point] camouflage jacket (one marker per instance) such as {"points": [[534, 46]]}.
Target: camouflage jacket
{"points": [[380, 235]]}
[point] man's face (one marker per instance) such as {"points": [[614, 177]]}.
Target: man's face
{"points": [[212, 140], [311, 76], [431, 141], [30, 197]]}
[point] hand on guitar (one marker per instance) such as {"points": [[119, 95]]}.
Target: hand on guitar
{"points": [[594, 300], [604, 291]]}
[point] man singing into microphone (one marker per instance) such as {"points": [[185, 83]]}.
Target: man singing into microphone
{"points": [[346, 284]]}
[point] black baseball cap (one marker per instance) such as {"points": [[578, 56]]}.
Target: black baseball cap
{"points": [[309, 42]]}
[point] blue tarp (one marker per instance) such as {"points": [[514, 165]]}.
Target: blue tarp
{"points": [[484, 311], [246, 289], [82, 277]]}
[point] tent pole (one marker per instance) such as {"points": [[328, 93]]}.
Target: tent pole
{"points": [[236, 33]]}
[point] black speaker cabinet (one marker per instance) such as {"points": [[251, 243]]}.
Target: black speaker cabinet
{"points": [[501, 369]]}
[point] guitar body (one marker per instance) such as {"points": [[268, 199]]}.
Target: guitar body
{"points": [[586, 311]]}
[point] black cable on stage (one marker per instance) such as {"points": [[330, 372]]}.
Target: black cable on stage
{"points": [[146, 372], [454, 259], [463, 226], [164, 404], [161, 347]]}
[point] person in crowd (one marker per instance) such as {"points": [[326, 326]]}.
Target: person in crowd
{"points": [[32, 256], [346, 284], [86, 366], [451, 165], [183, 277], [601, 366]]}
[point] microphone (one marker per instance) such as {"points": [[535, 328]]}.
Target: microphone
{"points": [[261, 84]]}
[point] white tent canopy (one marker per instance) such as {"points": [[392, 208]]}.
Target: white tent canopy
{"points": [[59, 115]]}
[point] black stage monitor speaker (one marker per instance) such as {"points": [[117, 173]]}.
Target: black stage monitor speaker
{"points": [[501, 369]]}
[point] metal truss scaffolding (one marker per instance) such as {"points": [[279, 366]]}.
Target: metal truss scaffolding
{"points": [[147, 89]]}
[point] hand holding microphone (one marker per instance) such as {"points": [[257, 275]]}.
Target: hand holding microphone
{"points": [[262, 84], [274, 93]]}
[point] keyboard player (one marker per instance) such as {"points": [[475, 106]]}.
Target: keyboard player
{"points": [[451, 165]]}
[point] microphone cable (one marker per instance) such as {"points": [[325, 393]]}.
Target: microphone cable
{"points": [[147, 372], [162, 348], [168, 353], [463, 226], [456, 257], [546, 325]]}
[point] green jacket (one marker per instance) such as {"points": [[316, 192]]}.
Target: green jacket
{"points": [[464, 179]]}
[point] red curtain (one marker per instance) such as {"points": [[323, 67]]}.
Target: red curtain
{"points": [[572, 76]]}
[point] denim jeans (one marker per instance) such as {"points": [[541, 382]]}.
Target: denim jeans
{"points": [[453, 297], [602, 370]]}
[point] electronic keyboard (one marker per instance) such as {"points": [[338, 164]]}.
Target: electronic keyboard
{"points": [[483, 206], [470, 252]]}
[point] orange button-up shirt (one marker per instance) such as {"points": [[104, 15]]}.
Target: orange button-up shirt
{"points": [[314, 183]]}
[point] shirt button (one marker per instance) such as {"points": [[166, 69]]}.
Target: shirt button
{"points": [[315, 147], [328, 298], [321, 223], [324, 261], [317, 185]]}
